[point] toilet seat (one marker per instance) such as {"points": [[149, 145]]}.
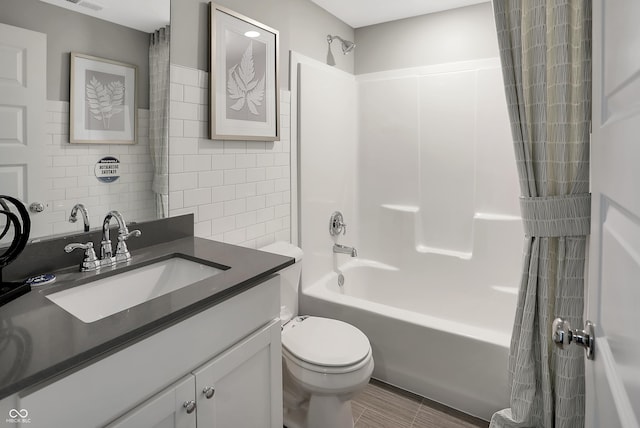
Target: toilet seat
{"points": [[292, 359], [325, 345]]}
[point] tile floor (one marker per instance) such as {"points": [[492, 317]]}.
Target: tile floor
{"points": [[384, 406]]}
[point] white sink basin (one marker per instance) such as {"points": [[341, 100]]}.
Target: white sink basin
{"points": [[99, 299]]}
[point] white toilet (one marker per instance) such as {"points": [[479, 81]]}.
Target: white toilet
{"points": [[325, 362]]}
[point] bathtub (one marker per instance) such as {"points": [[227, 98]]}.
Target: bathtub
{"points": [[447, 342]]}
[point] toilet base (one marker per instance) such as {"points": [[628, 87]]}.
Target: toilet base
{"points": [[294, 418], [321, 411], [304, 410], [329, 411]]}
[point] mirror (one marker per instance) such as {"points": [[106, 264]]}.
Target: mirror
{"points": [[38, 165]]}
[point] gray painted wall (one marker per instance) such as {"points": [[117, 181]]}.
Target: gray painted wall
{"points": [[68, 31], [303, 27], [455, 35]]}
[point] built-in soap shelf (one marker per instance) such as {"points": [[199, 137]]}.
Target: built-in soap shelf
{"points": [[483, 223], [360, 262], [496, 217], [464, 255], [402, 208]]}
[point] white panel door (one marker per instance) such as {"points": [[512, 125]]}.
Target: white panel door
{"points": [[23, 84], [613, 377]]}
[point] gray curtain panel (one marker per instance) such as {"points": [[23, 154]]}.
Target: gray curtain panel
{"points": [[159, 117], [545, 50]]}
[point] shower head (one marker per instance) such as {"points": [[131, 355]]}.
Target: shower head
{"points": [[347, 46]]}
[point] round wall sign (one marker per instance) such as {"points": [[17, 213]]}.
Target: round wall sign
{"points": [[107, 169]]}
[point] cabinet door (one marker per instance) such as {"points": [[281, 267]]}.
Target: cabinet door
{"points": [[246, 382], [167, 409]]}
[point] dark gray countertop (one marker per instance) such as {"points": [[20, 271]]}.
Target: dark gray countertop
{"points": [[40, 342]]}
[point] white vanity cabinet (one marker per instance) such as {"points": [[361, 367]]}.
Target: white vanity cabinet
{"points": [[241, 388], [233, 347]]}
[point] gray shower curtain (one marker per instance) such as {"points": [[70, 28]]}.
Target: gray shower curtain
{"points": [[545, 50], [159, 117]]}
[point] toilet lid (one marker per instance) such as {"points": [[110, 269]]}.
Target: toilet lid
{"points": [[325, 342]]}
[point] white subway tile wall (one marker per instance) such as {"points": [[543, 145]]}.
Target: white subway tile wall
{"points": [[238, 191], [70, 177]]}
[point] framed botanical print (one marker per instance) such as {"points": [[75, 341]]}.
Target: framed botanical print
{"points": [[103, 101], [244, 96]]}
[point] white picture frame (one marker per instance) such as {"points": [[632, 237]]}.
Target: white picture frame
{"points": [[244, 102], [103, 101]]}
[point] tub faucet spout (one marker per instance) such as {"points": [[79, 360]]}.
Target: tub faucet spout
{"points": [[342, 249]]}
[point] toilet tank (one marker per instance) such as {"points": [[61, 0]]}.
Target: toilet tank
{"points": [[289, 278]]}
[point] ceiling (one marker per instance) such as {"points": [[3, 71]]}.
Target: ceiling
{"points": [[360, 13], [149, 15], [143, 15]]}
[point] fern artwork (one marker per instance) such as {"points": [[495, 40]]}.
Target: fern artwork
{"points": [[103, 105], [244, 99], [246, 73], [105, 95]]}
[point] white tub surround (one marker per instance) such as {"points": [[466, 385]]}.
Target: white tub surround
{"points": [[420, 162]]}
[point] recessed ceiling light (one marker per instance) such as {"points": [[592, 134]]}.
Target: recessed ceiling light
{"points": [[252, 34]]}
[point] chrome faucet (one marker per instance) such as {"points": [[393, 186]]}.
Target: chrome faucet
{"points": [[85, 215], [91, 262], [342, 249], [122, 252]]}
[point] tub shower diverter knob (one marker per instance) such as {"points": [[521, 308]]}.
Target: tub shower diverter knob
{"points": [[189, 406], [562, 335], [208, 392], [337, 224]]}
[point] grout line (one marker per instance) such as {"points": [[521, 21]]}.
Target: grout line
{"points": [[365, 408], [360, 415], [413, 422]]}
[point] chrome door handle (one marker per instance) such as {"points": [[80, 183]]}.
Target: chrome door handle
{"points": [[562, 335]]}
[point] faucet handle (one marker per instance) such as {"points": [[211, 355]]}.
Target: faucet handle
{"points": [[74, 246], [122, 252], [90, 261], [124, 236]]}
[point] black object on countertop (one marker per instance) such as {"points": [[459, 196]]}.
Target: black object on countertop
{"points": [[21, 229]]}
